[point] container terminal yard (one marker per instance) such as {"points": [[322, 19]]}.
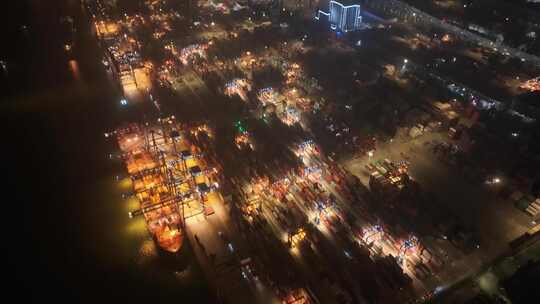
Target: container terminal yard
{"points": [[307, 206], [311, 151]]}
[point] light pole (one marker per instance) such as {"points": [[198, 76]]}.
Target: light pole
{"points": [[404, 66]]}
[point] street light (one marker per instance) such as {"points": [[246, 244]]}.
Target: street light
{"points": [[494, 180]]}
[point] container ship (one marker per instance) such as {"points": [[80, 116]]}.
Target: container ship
{"points": [[170, 179]]}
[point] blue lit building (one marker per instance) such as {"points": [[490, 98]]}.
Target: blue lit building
{"points": [[345, 18]]}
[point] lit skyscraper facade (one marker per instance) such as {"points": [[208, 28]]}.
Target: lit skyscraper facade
{"points": [[345, 18]]}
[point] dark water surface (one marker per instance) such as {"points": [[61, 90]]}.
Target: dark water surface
{"points": [[66, 231]]}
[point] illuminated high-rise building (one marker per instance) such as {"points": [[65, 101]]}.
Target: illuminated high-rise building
{"points": [[343, 17]]}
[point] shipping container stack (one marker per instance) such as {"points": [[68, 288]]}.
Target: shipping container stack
{"points": [[526, 203], [387, 179]]}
